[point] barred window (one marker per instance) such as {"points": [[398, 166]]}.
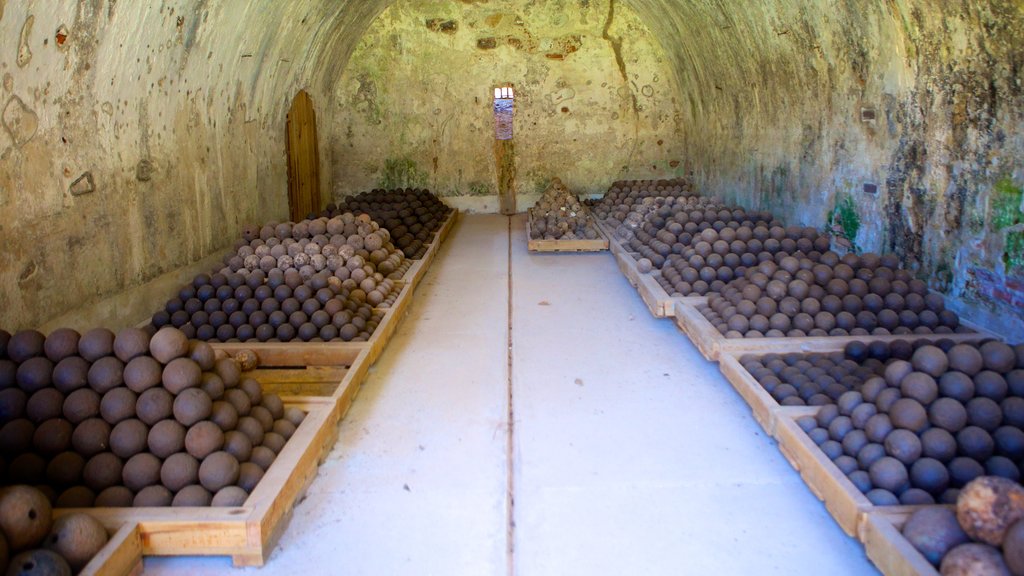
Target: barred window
{"points": [[503, 105]]}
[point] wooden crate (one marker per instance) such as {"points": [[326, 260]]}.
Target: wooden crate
{"points": [[847, 505], [419, 267], [122, 555], [246, 533], [654, 295], [886, 547], [765, 408], [712, 344], [578, 245]]}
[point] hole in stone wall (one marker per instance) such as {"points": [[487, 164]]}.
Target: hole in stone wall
{"points": [[503, 106]]}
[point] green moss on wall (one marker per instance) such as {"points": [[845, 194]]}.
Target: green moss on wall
{"points": [[1004, 205], [1013, 254], [846, 221], [401, 173]]}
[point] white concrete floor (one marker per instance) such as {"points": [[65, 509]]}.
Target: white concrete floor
{"points": [[631, 454]]}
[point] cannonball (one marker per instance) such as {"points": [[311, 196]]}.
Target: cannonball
{"points": [[155, 496], [168, 344], [43, 405], [238, 445], [930, 360], [191, 406], [973, 559], [988, 506], [154, 405], [262, 457], [129, 437], [229, 496], [142, 373], [180, 374], [25, 516], [77, 537], [53, 436], [204, 438], [70, 374], [39, 562], [194, 495], [96, 344], [998, 356], [218, 470], [102, 471], [165, 438], [965, 358], [118, 404], [130, 343], [115, 497], [34, 374], [140, 471], [889, 474], [60, 344], [908, 413], [202, 354], [178, 471], [1013, 548], [76, 497], [91, 437]]}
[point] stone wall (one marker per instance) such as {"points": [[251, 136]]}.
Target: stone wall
{"points": [[137, 137], [595, 99]]}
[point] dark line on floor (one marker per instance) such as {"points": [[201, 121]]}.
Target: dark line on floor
{"points": [[510, 502]]}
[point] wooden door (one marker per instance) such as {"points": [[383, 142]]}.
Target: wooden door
{"points": [[303, 159]]}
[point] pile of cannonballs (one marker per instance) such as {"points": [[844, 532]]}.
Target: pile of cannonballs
{"points": [[315, 280], [33, 542], [794, 295], [625, 196], [559, 215], [115, 420], [919, 429], [412, 215], [984, 534]]}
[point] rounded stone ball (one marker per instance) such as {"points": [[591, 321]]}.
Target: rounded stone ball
{"points": [[889, 474], [180, 374], [229, 496], [70, 374], [91, 437], [106, 374], [96, 344], [238, 445], [142, 373], [118, 404], [204, 438], [53, 436], [178, 471], [44, 405], [129, 437], [191, 406], [140, 471], [76, 538], [965, 358], [60, 344], [218, 470], [155, 496], [165, 438], [154, 405], [194, 495], [168, 344], [262, 457], [130, 343]]}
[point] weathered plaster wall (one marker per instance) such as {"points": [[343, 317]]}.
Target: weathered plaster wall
{"points": [[594, 98], [905, 118], [138, 136]]}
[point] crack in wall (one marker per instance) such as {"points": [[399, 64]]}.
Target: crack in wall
{"points": [[620, 62]]}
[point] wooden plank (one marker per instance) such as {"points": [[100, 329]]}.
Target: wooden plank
{"points": [[393, 316], [274, 498], [712, 344], [122, 555], [886, 547], [765, 408], [297, 354], [842, 499], [570, 246]]}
